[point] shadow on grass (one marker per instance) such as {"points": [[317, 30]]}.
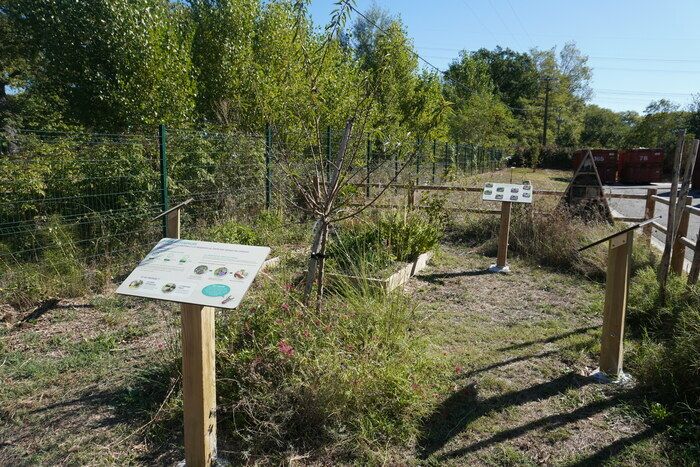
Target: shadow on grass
{"points": [[437, 278], [463, 407], [613, 449], [140, 407], [553, 422], [550, 339], [510, 361]]}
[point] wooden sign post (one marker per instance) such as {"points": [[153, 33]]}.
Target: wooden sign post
{"points": [[615, 308], [503, 235], [616, 289], [200, 276], [199, 384], [506, 194]]}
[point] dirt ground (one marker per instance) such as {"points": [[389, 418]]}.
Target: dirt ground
{"points": [[82, 378]]}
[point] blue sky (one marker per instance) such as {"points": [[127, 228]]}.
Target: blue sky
{"points": [[640, 50]]}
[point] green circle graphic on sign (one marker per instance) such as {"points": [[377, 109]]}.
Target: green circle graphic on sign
{"points": [[216, 290]]}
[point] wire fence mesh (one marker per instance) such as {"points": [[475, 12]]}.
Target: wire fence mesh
{"points": [[77, 209]]}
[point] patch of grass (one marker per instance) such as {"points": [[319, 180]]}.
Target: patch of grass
{"points": [[666, 359], [507, 455], [352, 378]]}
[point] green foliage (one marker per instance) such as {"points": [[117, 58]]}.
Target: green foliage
{"points": [[667, 361], [408, 234], [128, 62], [365, 247], [232, 232], [359, 249], [352, 377], [603, 128], [58, 273]]}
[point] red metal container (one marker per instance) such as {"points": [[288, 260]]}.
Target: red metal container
{"points": [[606, 161], [641, 165]]}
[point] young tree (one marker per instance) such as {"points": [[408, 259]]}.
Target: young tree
{"points": [[322, 183]]}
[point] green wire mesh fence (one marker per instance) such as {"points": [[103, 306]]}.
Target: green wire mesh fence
{"points": [[77, 209]]}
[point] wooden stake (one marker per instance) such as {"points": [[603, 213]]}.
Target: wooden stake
{"points": [[411, 192], [199, 384], [668, 246], [503, 234], [649, 210], [695, 267], [616, 285], [678, 255], [172, 226]]}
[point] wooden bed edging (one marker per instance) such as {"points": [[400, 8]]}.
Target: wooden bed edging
{"points": [[397, 279]]}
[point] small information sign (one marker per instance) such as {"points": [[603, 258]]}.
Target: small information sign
{"points": [[199, 273], [508, 192]]}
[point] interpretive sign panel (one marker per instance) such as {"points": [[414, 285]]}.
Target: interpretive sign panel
{"points": [[200, 273], [507, 192]]}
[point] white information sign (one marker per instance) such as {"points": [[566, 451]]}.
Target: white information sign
{"points": [[508, 192], [200, 273]]}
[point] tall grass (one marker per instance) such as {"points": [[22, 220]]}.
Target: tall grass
{"points": [[369, 245], [668, 358], [549, 239], [348, 380]]}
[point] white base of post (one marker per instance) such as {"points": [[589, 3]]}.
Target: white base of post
{"points": [[601, 377], [498, 269]]}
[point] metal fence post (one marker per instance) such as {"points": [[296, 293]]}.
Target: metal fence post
{"points": [[268, 153], [164, 198], [369, 157], [329, 148], [446, 162], [418, 154], [432, 180]]}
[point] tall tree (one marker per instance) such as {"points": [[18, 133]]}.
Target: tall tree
{"points": [[513, 73], [223, 59], [603, 128], [116, 64]]}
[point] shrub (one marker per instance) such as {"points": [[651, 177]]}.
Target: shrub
{"points": [[408, 234], [58, 272], [359, 250], [367, 246], [232, 232], [352, 377], [549, 239]]}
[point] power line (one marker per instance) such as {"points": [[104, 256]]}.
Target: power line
{"points": [[520, 22], [483, 25], [644, 93], [500, 18]]}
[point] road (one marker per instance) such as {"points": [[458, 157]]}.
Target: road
{"points": [[635, 208]]}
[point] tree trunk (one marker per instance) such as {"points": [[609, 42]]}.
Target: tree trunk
{"points": [[321, 268], [319, 227]]}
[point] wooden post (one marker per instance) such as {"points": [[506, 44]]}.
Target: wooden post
{"points": [[199, 384], [411, 192], [172, 224], [198, 371], [649, 210], [619, 259], [503, 234], [678, 255], [695, 267]]}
